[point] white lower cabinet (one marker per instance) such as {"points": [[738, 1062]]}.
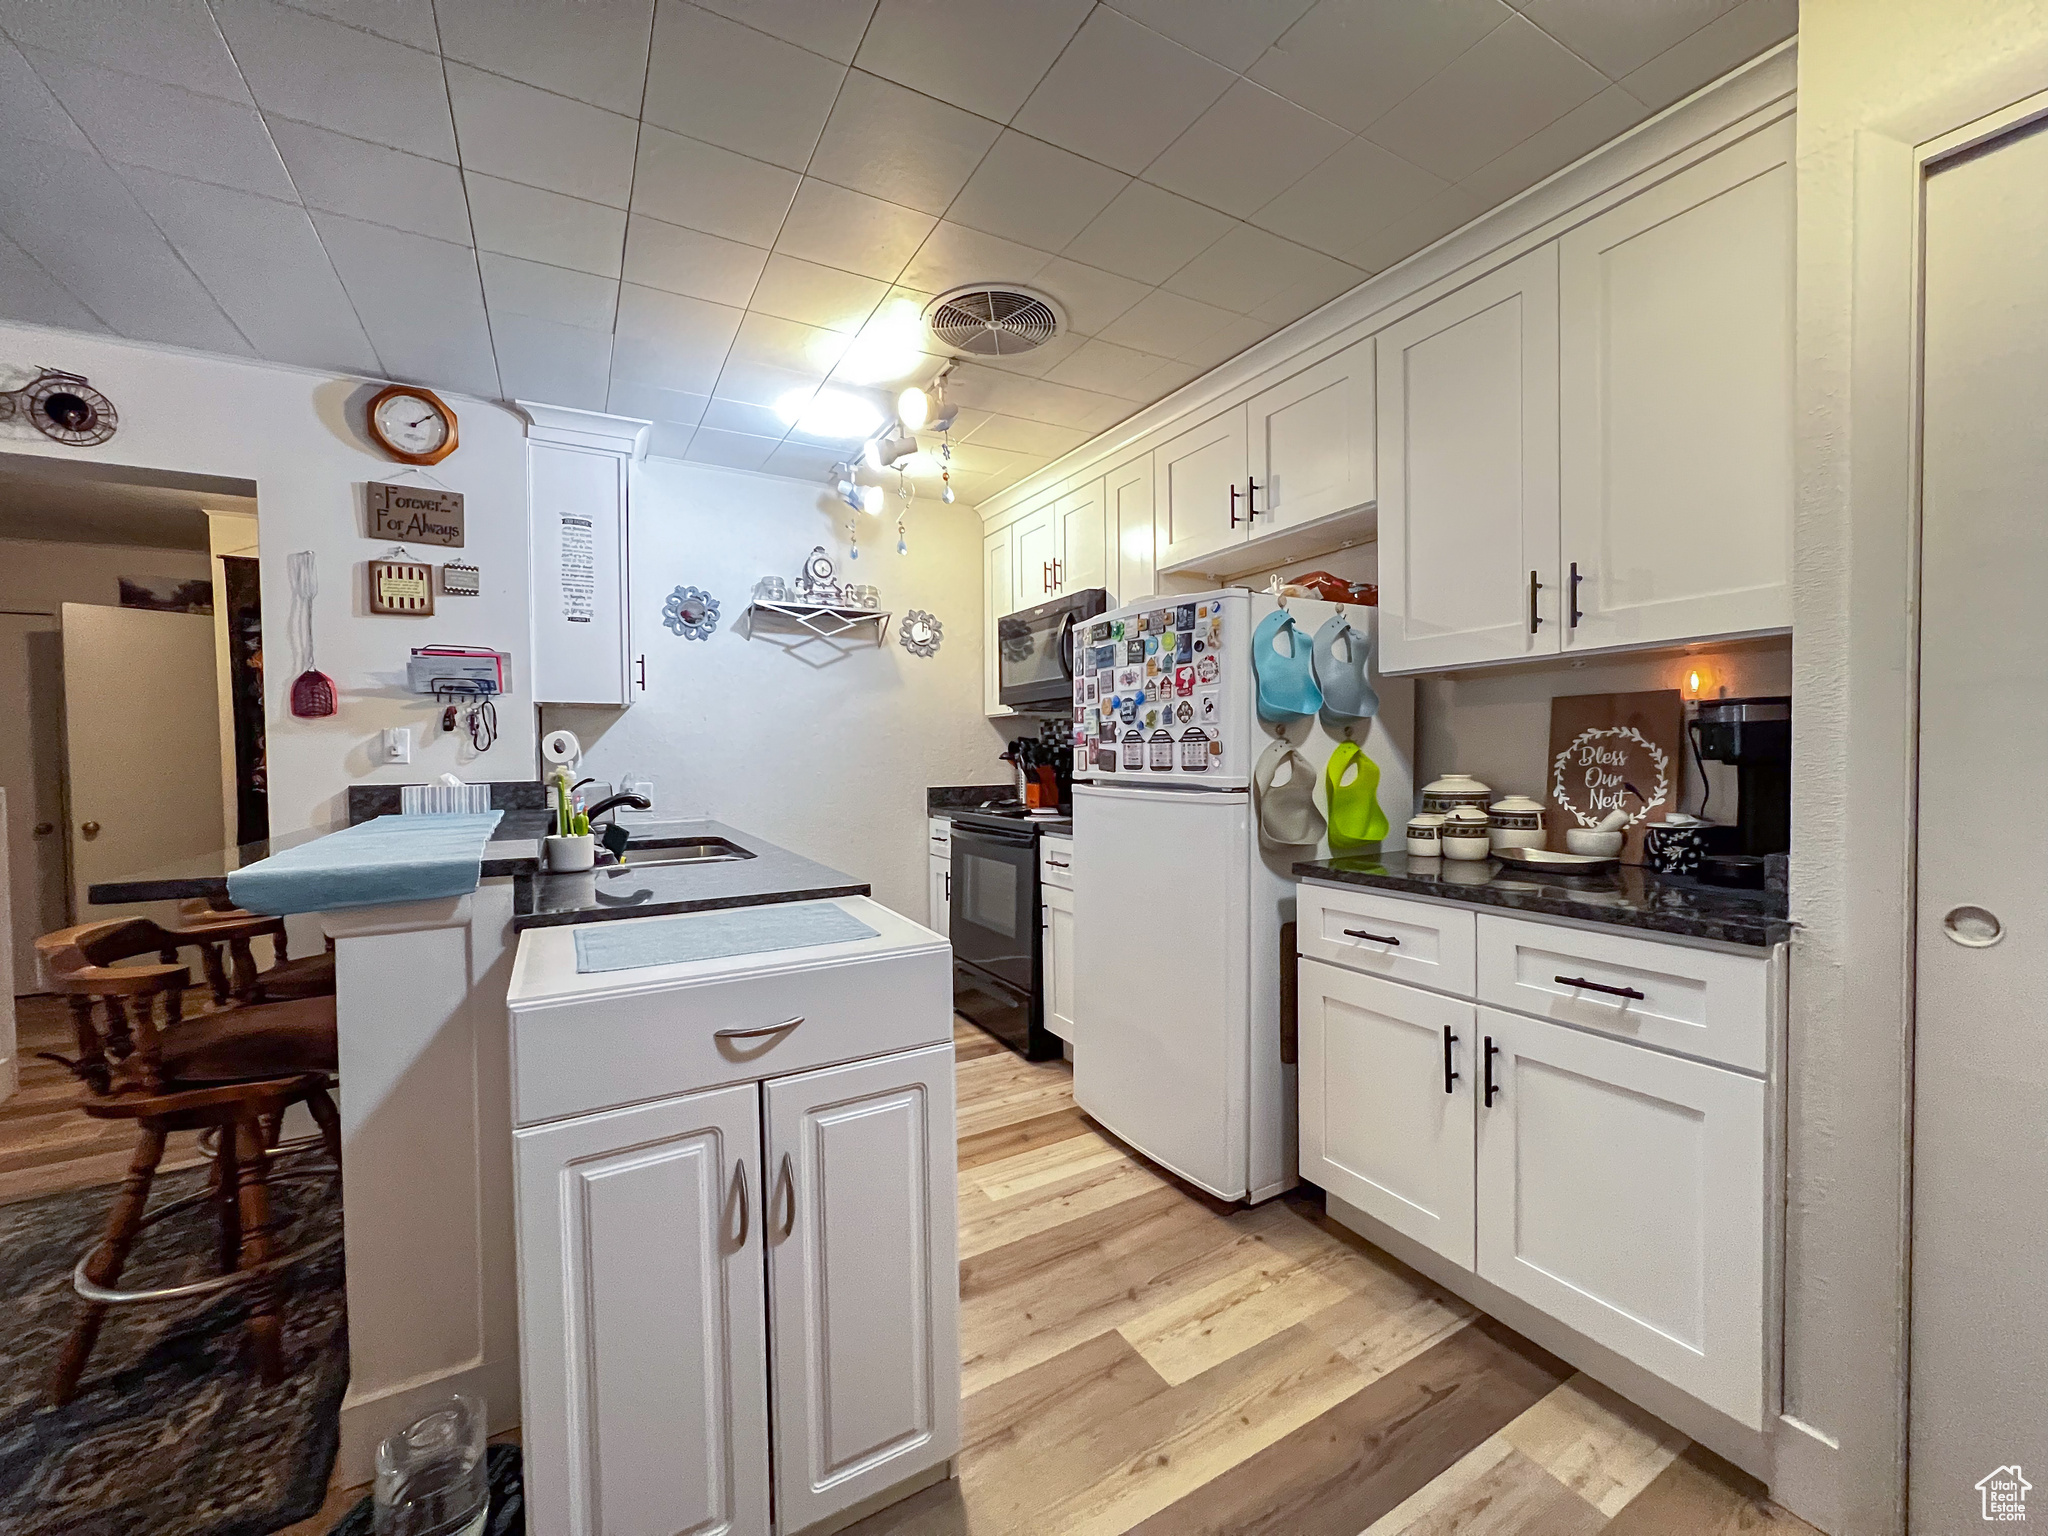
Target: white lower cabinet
{"points": [[1621, 1190], [1058, 959], [941, 895], [862, 1278]]}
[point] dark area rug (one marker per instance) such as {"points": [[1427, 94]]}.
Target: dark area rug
{"points": [[171, 1434], [508, 1500]]}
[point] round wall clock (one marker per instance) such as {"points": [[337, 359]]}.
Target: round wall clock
{"points": [[66, 408], [411, 424]]}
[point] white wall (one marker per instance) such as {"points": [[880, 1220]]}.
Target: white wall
{"points": [[298, 436], [36, 576], [829, 758]]}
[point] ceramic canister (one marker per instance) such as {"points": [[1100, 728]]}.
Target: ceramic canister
{"points": [[1424, 836], [1465, 833], [1446, 794], [1515, 822], [1675, 845]]}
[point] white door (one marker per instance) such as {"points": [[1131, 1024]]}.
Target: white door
{"points": [[1621, 1191], [642, 1319], [1311, 440], [1059, 962], [32, 774], [1980, 1100], [1675, 438], [1079, 517], [1127, 516], [1162, 1032], [1037, 557], [1198, 495], [142, 744], [998, 597], [863, 1278], [1468, 474], [1386, 1102], [941, 920]]}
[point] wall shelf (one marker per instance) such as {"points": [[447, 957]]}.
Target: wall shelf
{"points": [[828, 622]]}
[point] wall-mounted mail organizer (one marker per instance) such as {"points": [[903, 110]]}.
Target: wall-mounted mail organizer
{"points": [[458, 671]]}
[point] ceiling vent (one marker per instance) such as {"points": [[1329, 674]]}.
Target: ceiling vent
{"points": [[985, 321]]}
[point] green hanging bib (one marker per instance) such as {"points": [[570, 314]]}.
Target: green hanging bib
{"points": [[1355, 815]]}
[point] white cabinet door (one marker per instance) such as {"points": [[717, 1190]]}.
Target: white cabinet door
{"points": [[1037, 557], [1127, 519], [582, 637], [998, 597], [1311, 440], [1468, 473], [1078, 516], [1386, 1102], [1058, 918], [1621, 1191], [642, 1320], [1198, 490], [863, 1279], [941, 894], [1676, 434]]}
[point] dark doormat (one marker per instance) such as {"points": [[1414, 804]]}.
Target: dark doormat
{"points": [[171, 1433]]}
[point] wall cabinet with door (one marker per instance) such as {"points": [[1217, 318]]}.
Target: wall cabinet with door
{"points": [[741, 1297], [578, 465], [1059, 546], [1572, 1118]]}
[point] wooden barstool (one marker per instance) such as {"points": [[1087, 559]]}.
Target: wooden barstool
{"points": [[233, 1072]]}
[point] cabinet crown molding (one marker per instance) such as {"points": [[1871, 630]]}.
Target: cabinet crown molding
{"points": [[572, 428]]}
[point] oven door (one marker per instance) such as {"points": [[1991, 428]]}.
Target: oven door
{"points": [[994, 916], [1035, 652]]}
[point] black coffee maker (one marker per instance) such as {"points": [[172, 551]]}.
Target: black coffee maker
{"points": [[1755, 737]]}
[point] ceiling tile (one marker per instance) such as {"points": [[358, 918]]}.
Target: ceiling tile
{"points": [[1291, 303], [996, 462], [139, 122], [953, 255], [665, 440], [1353, 60], [1223, 343], [29, 114], [1516, 80], [897, 145], [523, 133], [1248, 266], [1712, 51], [403, 21], [419, 299], [1034, 399], [669, 341], [30, 295], [1090, 296], [1165, 379], [1232, 32], [1448, 210], [263, 261], [1579, 132], [764, 384], [70, 212], [852, 231], [802, 461], [1034, 193], [370, 181], [1147, 234], [1249, 146], [516, 287], [830, 27], [1616, 39], [1121, 93], [553, 363], [679, 260], [725, 415], [1339, 205], [984, 55], [701, 186], [318, 71], [857, 370], [517, 220], [644, 402], [1041, 360], [593, 50], [1107, 368], [729, 85], [791, 289], [172, 41], [1164, 324], [732, 450], [1013, 434], [787, 344]]}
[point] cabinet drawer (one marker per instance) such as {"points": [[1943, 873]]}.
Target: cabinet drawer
{"points": [[1700, 1002], [1412, 941], [941, 833], [1056, 862]]}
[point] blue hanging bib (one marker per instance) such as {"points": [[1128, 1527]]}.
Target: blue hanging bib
{"points": [[1287, 682], [1341, 673]]}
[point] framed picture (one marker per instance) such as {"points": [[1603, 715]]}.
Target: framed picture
{"points": [[168, 594]]}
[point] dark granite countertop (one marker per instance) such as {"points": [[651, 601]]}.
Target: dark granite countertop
{"points": [[941, 798], [1628, 897]]}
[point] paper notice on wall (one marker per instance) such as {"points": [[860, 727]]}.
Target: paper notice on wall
{"points": [[579, 569]]}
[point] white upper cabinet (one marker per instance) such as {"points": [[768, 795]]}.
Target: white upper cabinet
{"points": [[1311, 442], [1198, 490], [577, 473], [1127, 522], [1078, 527], [1676, 427], [1037, 557], [1468, 473]]}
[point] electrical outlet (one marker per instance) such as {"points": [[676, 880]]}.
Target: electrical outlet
{"points": [[639, 786], [397, 744]]}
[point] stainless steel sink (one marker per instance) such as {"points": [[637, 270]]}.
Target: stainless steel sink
{"points": [[659, 853]]}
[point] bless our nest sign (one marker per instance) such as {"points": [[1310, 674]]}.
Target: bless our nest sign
{"points": [[413, 515]]}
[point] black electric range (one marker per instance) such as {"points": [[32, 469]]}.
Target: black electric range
{"points": [[998, 946]]}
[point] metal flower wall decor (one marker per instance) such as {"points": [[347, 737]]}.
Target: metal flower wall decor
{"points": [[921, 633], [692, 614]]}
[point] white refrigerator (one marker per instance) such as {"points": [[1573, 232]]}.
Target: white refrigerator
{"points": [[1180, 916]]}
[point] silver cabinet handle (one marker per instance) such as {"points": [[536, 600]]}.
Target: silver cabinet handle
{"points": [[746, 1219], [789, 1187], [758, 1031]]}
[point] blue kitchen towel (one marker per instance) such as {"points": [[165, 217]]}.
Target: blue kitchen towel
{"points": [[394, 858], [626, 946]]}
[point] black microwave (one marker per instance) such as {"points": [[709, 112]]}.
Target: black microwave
{"points": [[1035, 651]]}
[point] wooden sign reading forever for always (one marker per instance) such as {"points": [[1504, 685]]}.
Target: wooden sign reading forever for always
{"points": [[413, 515], [1601, 744]]}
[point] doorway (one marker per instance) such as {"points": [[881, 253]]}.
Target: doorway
{"points": [[1978, 1404]]}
